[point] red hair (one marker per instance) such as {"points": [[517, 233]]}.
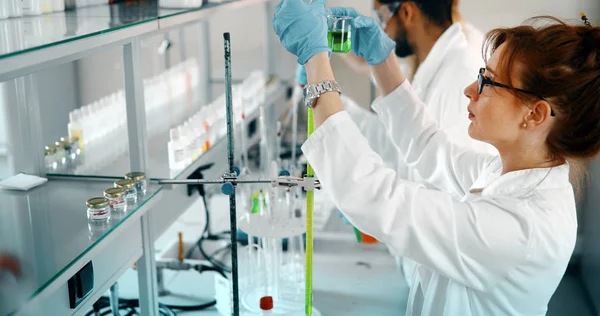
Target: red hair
{"points": [[561, 63]]}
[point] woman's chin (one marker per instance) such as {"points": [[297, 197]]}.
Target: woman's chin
{"points": [[473, 132]]}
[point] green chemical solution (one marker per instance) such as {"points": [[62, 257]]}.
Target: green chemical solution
{"points": [[255, 204], [310, 203], [339, 41]]}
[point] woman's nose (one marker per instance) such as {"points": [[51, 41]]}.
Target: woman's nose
{"points": [[471, 91]]}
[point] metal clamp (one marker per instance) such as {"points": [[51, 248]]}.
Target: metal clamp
{"points": [[306, 183], [228, 188]]}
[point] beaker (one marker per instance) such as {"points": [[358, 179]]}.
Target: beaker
{"points": [[339, 33]]}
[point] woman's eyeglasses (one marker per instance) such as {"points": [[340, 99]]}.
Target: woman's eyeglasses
{"points": [[485, 81]]}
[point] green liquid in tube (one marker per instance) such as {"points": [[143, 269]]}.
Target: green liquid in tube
{"points": [[339, 41], [255, 203]]}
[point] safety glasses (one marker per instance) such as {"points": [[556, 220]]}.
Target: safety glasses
{"points": [[385, 12], [485, 81]]}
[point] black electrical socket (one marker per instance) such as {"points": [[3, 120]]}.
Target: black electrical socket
{"points": [[81, 285]]}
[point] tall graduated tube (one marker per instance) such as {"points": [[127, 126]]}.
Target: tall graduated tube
{"points": [[339, 33], [265, 149]]}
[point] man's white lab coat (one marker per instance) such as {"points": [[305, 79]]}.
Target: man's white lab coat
{"points": [[501, 248]]}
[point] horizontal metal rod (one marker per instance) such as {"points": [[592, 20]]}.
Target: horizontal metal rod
{"points": [[83, 178], [202, 181]]}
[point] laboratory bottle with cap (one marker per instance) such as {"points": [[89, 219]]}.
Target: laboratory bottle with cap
{"points": [[130, 190], [141, 184], [98, 210], [116, 199]]}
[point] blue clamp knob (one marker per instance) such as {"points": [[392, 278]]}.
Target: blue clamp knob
{"points": [[227, 188], [237, 170], [284, 173]]}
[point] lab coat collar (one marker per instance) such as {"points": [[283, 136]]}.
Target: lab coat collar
{"points": [[451, 39], [521, 183]]}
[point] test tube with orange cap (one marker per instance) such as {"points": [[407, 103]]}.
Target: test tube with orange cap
{"points": [[363, 238]]}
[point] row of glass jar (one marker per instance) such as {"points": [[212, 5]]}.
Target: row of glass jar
{"points": [[195, 136], [117, 199], [63, 153]]}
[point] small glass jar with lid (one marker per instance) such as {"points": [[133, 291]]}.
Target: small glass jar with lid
{"points": [[98, 209], [141, 184], [63, 150], [50, 157], [116, 199], [130, 191]]}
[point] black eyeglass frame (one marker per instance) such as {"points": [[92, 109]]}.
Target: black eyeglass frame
{"points": [[485, 81]]}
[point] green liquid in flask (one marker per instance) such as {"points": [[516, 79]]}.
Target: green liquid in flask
{"points": [[339, 41]]}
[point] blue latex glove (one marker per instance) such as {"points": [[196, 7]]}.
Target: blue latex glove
{"points": [[301, 78], [302, 27], [368, 39]]}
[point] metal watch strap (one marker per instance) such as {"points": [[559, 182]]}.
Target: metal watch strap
{"points": [[312, 92]]}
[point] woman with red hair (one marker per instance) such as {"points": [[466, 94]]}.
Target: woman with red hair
{"points": [[503, 247]]}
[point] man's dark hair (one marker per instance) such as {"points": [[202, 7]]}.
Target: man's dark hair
{"points": [[438, 12]]}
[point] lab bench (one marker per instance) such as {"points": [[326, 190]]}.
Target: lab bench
{"points": [[46, 228]]}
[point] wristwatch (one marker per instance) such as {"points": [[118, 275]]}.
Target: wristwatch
{"points": [[312, 92]]}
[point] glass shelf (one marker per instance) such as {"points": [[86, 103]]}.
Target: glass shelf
{"points": [[26, 34], [158, 126], [30, 33], [47, 230]]}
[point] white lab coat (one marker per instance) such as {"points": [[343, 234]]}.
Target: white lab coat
{"points": [[500, 249], [440, 80], [451, 65]]}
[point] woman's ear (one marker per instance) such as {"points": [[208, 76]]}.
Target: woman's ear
{"points": [[539, 112]]}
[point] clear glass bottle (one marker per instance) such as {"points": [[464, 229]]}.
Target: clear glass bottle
{"points": [[15, 8], [63, 151], [98, 209], [72, 147], [130, 190], [58, 5], [176, 149], [74, 126], [50, 158], [46, 6], [116, 199], [5, 8], [141, 184]]}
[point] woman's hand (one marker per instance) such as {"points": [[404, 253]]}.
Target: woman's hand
{"points": [[368, 39], [302, 27]]}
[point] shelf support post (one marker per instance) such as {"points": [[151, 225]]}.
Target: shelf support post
{"points": [[138, 151], [272, 45], [204, 60]]}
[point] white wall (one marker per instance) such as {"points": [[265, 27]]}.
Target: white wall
{"points": [[488, 14]]}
